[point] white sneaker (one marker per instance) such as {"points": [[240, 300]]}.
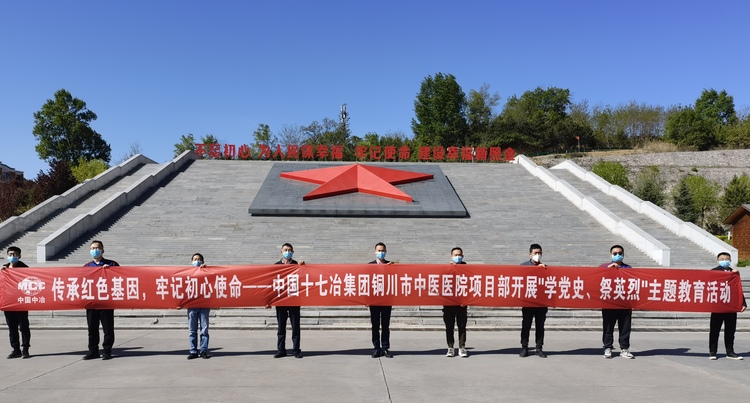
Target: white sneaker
{"points": [[607, 353], [625, 353], [451, 352], [712, 357], [463, 353]]}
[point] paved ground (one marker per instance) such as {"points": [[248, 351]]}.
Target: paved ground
{"points": [[151, 365]]}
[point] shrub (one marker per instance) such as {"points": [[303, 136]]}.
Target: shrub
{"points": [[612, 172]]}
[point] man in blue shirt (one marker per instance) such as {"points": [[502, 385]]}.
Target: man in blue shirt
{"points": [[95, 316]]}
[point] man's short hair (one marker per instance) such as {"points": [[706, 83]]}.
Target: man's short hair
{"points": [[534, 246], [717, 256], [99, 242], [15, 249], [616, 247], [287, 244], [380, 244], [198, 254], [455, 248]]}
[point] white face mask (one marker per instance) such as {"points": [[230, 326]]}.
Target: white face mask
{"points": [[536, 258]]}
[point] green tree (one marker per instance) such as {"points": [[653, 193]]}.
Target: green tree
{"points": [[687, 128], [88, 169], [480, 113], [63, 133], [649, 185], [683, 203], [539, 120], [612, 172], [738, 135], [186, 143], [736, 194], [705, 196], [263, 135], [717, 107], [440, 112]]}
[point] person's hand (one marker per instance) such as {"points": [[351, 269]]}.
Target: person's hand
{"points": [[301, 263], [615, 265], [105, 266], [743, 309], [203, 266], [268, 306], [391, 263]]}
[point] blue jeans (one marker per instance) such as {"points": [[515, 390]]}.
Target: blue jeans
{"points": [[196, 315]]}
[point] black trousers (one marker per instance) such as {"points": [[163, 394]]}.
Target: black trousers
{"points": [[452, 315], [16, 320], [380, 317], [623, 319], [539, 316], [730, 326], [107, 319], [282, 313]]}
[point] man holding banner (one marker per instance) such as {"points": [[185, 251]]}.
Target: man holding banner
{"points": [[105, 316], [291, 312], [729, 319], [456, 314], [623, 317], [380, 316], [537, 314]]}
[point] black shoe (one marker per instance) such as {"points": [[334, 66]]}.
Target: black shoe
{"points": [[387, 353], [298, 354], [280, 354], [204, 355], [14, 354], [91, 356], [25, 353], [193, 356], [524, 352], [733, 356], [376, 353], [106, 356], [540, 353]]}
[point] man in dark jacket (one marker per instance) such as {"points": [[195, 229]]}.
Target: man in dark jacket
{"points": [[291, 312], [380, 316], [538, 315], [729, 319], [17, 319], [622, 317]]}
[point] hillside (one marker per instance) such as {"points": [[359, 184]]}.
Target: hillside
{"points": [[718, 165]]}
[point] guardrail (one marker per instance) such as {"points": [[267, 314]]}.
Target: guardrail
{"points": [[642, 240], [664, 218], [80, 225], [38, 213]]}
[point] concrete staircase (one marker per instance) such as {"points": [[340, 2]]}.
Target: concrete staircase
{"points": [[204, 208], [684, 254], [28, 240]]}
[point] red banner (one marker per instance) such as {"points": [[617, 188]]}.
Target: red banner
{"points": [[168, 287]]}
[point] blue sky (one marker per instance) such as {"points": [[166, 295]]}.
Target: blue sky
{"points": [[155, 70]]}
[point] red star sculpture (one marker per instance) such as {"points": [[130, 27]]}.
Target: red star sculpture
{"points": [[357, 178]]}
